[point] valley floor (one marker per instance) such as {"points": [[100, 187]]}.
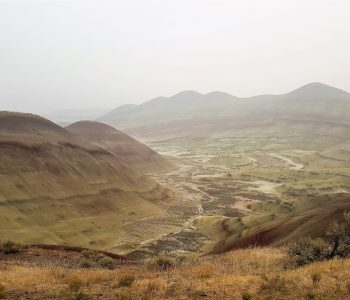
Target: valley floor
{"points": [[231, 190], [235, 193]]}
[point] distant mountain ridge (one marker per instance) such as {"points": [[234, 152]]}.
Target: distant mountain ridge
{"points": [[312, 108]]}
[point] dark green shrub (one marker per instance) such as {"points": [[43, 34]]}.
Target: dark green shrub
{"points": [[10, 247], [310, 296], [309, 250], [246, 296], [163, 263], [338, 238], [75, 284], [93, 258], [106, 262], [74, 290], [335, 243], [86, 263], [91, 254]]}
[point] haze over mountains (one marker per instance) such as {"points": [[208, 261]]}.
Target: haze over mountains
{"points": [[59, 189], [314, 108], [173, 150], [65, 117]]}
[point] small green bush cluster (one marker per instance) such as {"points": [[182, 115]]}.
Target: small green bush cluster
{"points": [[162, 263], [10, 247], [309, 250], [335, 243], [310, 296], [246, 296], [74, 290], [94, 258]]}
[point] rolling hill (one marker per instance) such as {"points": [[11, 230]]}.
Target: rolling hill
{"points": [[69, 116], [58, 189], [314, 108], [134, 153], [310, 220]]}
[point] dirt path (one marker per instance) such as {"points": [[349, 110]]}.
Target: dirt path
{"points": [[293, 165]]}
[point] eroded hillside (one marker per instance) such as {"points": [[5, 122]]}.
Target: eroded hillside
{"points": [[57, 189], [134, 153]]}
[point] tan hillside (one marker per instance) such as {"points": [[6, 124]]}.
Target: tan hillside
{"points": [[58, 189], [134, 153]]}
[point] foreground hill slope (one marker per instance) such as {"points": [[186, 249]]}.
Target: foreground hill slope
{"points": [[258, 273], [136, 154], [314, 108], [58, 189]]}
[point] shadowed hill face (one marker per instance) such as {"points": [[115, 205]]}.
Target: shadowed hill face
{"points": [[134, 153], [314, 108], [58, 189]]}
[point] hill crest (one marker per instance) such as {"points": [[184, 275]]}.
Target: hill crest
{"points": [[133, 152]]}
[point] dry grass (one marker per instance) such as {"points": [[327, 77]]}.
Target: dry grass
{"points": [[261, 273]]}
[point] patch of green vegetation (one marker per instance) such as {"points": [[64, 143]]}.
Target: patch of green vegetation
{"points": [[10, 247], [334, 244], [94, 259], [74, 290], [231, 161], [162, 262]]}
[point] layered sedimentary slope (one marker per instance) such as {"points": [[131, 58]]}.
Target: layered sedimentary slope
{"points": [[58, 189], [136, 154]]}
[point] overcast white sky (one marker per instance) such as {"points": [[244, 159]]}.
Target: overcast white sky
{"points": [[100, 54]]}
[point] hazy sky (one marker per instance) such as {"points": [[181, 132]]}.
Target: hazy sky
{"points": [[100, 54]]}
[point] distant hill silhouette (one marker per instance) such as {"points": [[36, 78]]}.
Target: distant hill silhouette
{"points": [[313, 108]]}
